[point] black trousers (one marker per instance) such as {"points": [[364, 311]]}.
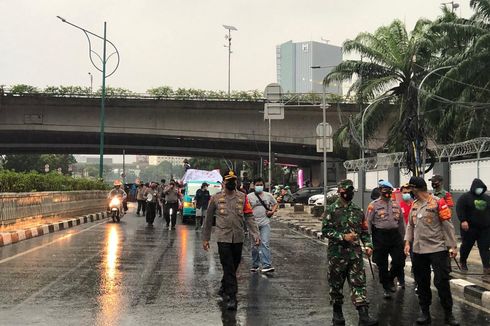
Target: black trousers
{"points": [[440, 263], [151, 211], [482, 238], [388, 243], [141, 207], [171, 217], [230, 255]]}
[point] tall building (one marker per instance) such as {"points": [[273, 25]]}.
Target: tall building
{"points": [[176, 160], [294, 62]]}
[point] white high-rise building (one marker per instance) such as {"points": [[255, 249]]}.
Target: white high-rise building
{"points": [[294, 66], [176, 160]]}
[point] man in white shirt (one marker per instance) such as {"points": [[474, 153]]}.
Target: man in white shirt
{"points": [[264, 206]]}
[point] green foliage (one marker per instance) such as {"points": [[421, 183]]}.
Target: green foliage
{"points": [[36, 162], [164, 170], [11, 181], [192, 93], [116, 91], [23, 89], [66, 90]]}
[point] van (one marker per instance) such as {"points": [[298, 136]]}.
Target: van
{"points": [[190, 189]]}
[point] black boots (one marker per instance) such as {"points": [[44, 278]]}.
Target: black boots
{"points": [[424, 316], [338, 316], [364, 318], [450, 320], [232, 303]]}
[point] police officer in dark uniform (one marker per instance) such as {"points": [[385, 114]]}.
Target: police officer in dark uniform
{"points": [[387, 228]]}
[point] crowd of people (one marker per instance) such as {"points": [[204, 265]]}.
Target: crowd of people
{"points": [[409, 221]]}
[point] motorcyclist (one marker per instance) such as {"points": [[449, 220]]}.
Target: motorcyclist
{"points": [[117, 191]]}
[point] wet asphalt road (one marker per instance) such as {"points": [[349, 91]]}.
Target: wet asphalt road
{"points": [[128, 274]]}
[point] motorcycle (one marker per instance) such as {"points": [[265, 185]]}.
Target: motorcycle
{"points": [[115, 208]]}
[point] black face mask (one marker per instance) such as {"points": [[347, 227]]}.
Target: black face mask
{"points": [[386, 194], [412, 195], [347, 195], [231, 185], [435, 185]]}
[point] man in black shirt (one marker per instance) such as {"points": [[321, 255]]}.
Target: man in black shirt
{"points": [[202, 200]]}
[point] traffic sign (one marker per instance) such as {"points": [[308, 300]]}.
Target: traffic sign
{"points": [[328, 147], [273, 111], [324, 127], [273, 92]]}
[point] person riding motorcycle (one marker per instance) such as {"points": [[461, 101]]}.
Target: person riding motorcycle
{"points": [[117, 191]]}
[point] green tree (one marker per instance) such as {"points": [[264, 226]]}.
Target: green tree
{"points": [[36, 162], [390, 66]]}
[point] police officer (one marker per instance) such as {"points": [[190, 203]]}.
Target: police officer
{"points": [[434, 242], [439, 191], [231, 208], [344, 225], [387, 228]]}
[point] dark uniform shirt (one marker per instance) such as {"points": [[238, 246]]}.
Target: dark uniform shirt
{"points": [[385, 215]]}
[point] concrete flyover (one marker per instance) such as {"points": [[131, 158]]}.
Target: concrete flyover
{"points": [[216, 128]]}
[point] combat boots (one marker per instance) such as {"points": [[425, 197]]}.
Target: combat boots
{"points": [[338, 316], [450, 320], [424, 316], [364, 318]]}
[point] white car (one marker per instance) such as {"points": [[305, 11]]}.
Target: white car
{"points": [[331, 192], [312, 200], [319, 199]]}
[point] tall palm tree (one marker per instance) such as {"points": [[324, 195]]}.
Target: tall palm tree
{"points": [[457, 99]]}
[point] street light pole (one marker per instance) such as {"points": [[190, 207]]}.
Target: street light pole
{"points": [[228, 37], [422, 172], [103, 60], [91, 82], [270, 157], [324, 111]]}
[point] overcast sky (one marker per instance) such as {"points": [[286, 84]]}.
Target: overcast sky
{"points": [[180, 42]]}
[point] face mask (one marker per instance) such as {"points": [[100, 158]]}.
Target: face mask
{"points": [[386, 194], [231, 185], [347, 195], [406, 197], [259, 189], [435, 185], [478, 191]]}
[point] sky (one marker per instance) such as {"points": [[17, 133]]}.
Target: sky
{"points": [[180, 43]]}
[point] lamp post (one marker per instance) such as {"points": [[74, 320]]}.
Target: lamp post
{"points": [[103, 60], [228, 37], [363, 145], [324, 136], [91, 82], [422, 172], [454, 5]]}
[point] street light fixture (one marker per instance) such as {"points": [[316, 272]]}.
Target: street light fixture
{"points": [[454, 5], [91, 83], [103, 60], [228, 37]]}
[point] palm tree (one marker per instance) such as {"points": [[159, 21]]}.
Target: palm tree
{"points": [[390, 66], [457, 101]]}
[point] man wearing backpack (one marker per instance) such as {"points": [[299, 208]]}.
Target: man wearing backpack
{"points": [[264, 206]]}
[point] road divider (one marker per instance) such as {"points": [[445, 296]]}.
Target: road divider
{"points": [[11, 237]]}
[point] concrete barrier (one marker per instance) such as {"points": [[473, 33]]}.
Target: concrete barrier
{"points": [[17, 207]]}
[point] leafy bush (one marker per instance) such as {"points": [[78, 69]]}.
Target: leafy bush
{"points": [[11, 181]]}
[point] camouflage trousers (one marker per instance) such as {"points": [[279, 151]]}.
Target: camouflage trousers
{"points": [[351, 268]]}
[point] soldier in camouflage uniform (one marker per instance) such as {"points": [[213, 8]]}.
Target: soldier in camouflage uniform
{"points": [[344, 225]]}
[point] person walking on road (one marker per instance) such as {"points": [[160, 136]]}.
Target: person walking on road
{"points": [[473, 209], [345, 226], [432, 233], [232, 210], [202, 201], [387, 228], [151, 197], [171, 193], [141, 199], [161, 196], [264, 206], [439, 191], [406, 206]]}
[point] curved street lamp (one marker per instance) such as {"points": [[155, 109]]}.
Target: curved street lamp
{"points": [[103, 61]]}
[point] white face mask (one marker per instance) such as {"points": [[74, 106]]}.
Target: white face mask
{"points": [[478, 191]]}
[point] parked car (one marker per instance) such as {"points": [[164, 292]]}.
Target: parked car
{"points": [[313, 200], [301, 196], [331, 193]]}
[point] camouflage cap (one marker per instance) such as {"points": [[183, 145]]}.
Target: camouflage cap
{"points": [[345, 184]]}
